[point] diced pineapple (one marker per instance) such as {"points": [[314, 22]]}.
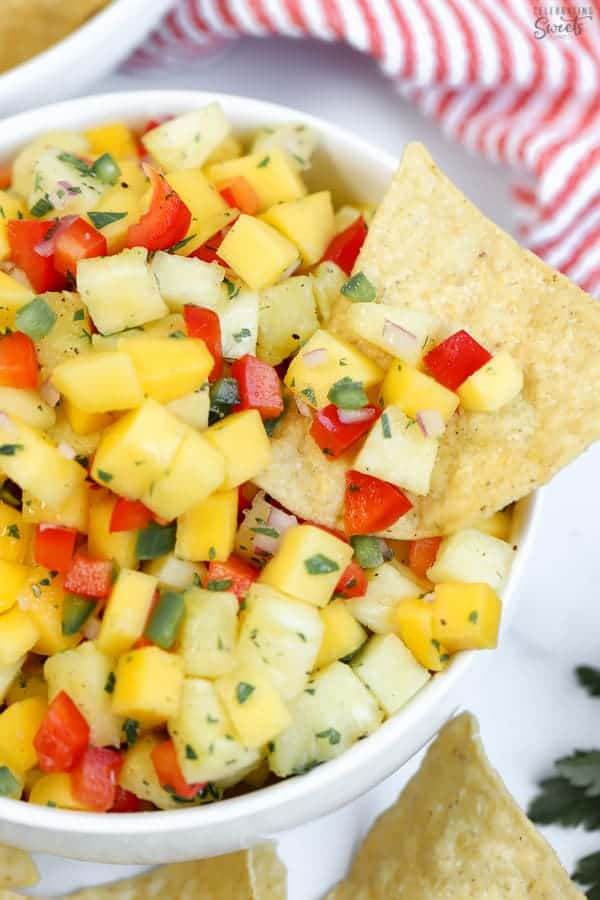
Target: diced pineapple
{"points": [[207, 530], [172, 324], [120, 291], [138, 774], [244, 444], [28, 406], [333, 712], [202, 734], [126, 611], [386, 587], [24, 162], [73, 513], [254, 706], [312, 382], [8, 674], [280, 635], [119, 200], [18, 634], [55, 790], [69, 337], [12, 206], [208, 634], [308, 564], [472, 556], [466, 616], [83, 422], [414, 624], [13, 576], [187, 141], [238, 315], [138, 449], [83, 673], [51, 170], [100, 382], [230, 148], [13, 294], [197, 470], [185, 280], [43, 599], [104, 543], [209, 211], [19, 724], [494, 385], [15, 534], [168, 368], [396, 450], [342, 634], [273, 176], [388, 668], [115, 138], [287, 318], [174, 573], [499, 524], [300, 141], [308, 223], [193, 408], [414, 391], [257, 252], [148, 685], [327, 281], [30, 682], [36, 465], [384, 325]]}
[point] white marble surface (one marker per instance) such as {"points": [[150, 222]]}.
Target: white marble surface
{"points": [[528, 705]]}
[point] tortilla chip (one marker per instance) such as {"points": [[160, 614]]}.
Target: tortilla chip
{"points": [[268, 875], [455, 834], [17, 869]]}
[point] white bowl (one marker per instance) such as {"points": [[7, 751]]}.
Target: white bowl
{"points": [[362, 172], [81, 58]]}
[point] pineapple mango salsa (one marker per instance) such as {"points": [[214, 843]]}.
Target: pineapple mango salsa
{"points": [[168, 632]]}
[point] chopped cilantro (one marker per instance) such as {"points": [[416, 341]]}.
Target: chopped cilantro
{"points": [[333, 736], [106, 477], [348, 394], [243, 691], [78, 315], [385, 426], [264, 529], [10, 449], [190, 753], [359, 289], [43, 206], [241, 334], [13, 532], [473, 616], [102, 219], [310, 395], [222, 584], [110, 683], [264, 162], [320, 565], [35, 319], [177, 246], [131, 730]]}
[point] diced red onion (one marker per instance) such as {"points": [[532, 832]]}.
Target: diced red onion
{"points": [[66, 450], [431, 422], [303, 408], [403, 342], [316, 357], [386, 550], [49, 394], [91, 628], [47, 246], [352, 416], [280, 522], [428, 598]]}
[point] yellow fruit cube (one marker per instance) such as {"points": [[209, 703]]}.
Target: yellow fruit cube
{"points": [[27, 406], [15, 535], [168, 368], [193, 409], [187, 141], [466, 616], [172, 572], [43, 599], [414, 391], [73, 513], [13, 294], [243, 442], [19, 724], [69, 337], [120, 200], [138, 449], [400, 331], [327, 280], [308, 223], [18, 634], [30, 682], [12, 578], [12, 206], [99, 382], [148, 685], [414, 623], [126, 611], [83, 422], [494, 385], [340, 360], [207, 530], [55, 790], [104, 543], [115, 138], [197, 470], [498, 525], [287, 318], [257, 252], [308, 564], [273, 175], [342, 636], [209, 211], [255, 708]]}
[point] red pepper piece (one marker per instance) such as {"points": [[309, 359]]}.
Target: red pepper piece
{"points": [[79, 240], [370, 505], [345, 246], [260, 387], [89, 577], [125, 802], [422, 554], [18, 362], [54, 547], [335, 437], [455, 359], [169, 772], [63, 736], [129, 515], [240, 574], [94, 778], [166, 222], [23, 235], [204, 323], [353, 582]]}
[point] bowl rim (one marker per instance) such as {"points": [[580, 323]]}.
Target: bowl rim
{"points": [[266, 800]]}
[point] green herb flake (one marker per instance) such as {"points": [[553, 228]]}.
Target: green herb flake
{"points": [[266, 531], [310, 395], [589, 678], [348, 394], [243, 690], [222, 584], [190, 753], [264, 162], [232, 291], [79, 315], [320, 565], [43, 206], [473, 616], [212, 553], [9, 786], [111, 680], [331, 734], [385, 426], [13, 532], [359, 289], [35, 319], [131, 730], [241, 334], [79, 164], [101, 219], [106, 477], [367, 551], [10, 449], [155, 540], [212, 720], [177, 246]]}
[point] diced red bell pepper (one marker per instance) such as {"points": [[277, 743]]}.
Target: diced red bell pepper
{"points": [[204, 323], [353, 582], [18, 362], [239, 194], [94, 778], [335, 437], [63, 736], [129, 515], [370, 505], [169, 772], [54, 547], [143, 641], [23, 235], [89, 577], [79, 240], [345, 246], [166, 222], [260, 387], [455, 359], [209, 250], [240, 575], [422, 554], [125, 802]]}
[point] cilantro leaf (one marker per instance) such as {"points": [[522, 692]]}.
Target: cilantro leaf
{"points": [[589, 678]]}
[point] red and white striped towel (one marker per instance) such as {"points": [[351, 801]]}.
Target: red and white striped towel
{"points": [[486, 70]]}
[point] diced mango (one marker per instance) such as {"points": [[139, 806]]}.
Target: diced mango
{"points": [[342, 635], [255, 708], [100, 382], [167, 368], [241, 430], [308, 564], [29, 682], [311, 383], [55, 790], [499, 525], [11, 206], [19, 724], [466, 616], [388, 668], [83, 422], [104, 543], [43, 599], [414, 391], [273, 175], [207, 530], [73, 513], [118, 199], [148, 685], [209, 211], [287, 317], [126, 611], [414, 624], [18, 634], [494, 385], [13, 294], [115, 138], [308, 223], [15, 534], [257, 252], [12, 578]]}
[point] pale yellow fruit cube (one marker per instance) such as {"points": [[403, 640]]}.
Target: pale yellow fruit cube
{"points": [[28, 406], [99, 382], [499, 524], [342, 634], [104, 543], [73, 513], [13, 576], [193, 408], [138, 774], [414, 391], [207, 531], [55, 790], [172, 572], [168, 368], [69, 337], [327, 280], [493, 386], [308, 223], [13, 294], [148, 685], [244, 444], [117, 199], [18, 634], [184, 280], [126, 611], [257, 252], [287, 318], [19, 724], [187, 141], [208, 635], [308, 564], [83, 422], [387, 667], [255, 708], [273, 175], [209, 211], [399, 330], [15, 534], [473, 556]]}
